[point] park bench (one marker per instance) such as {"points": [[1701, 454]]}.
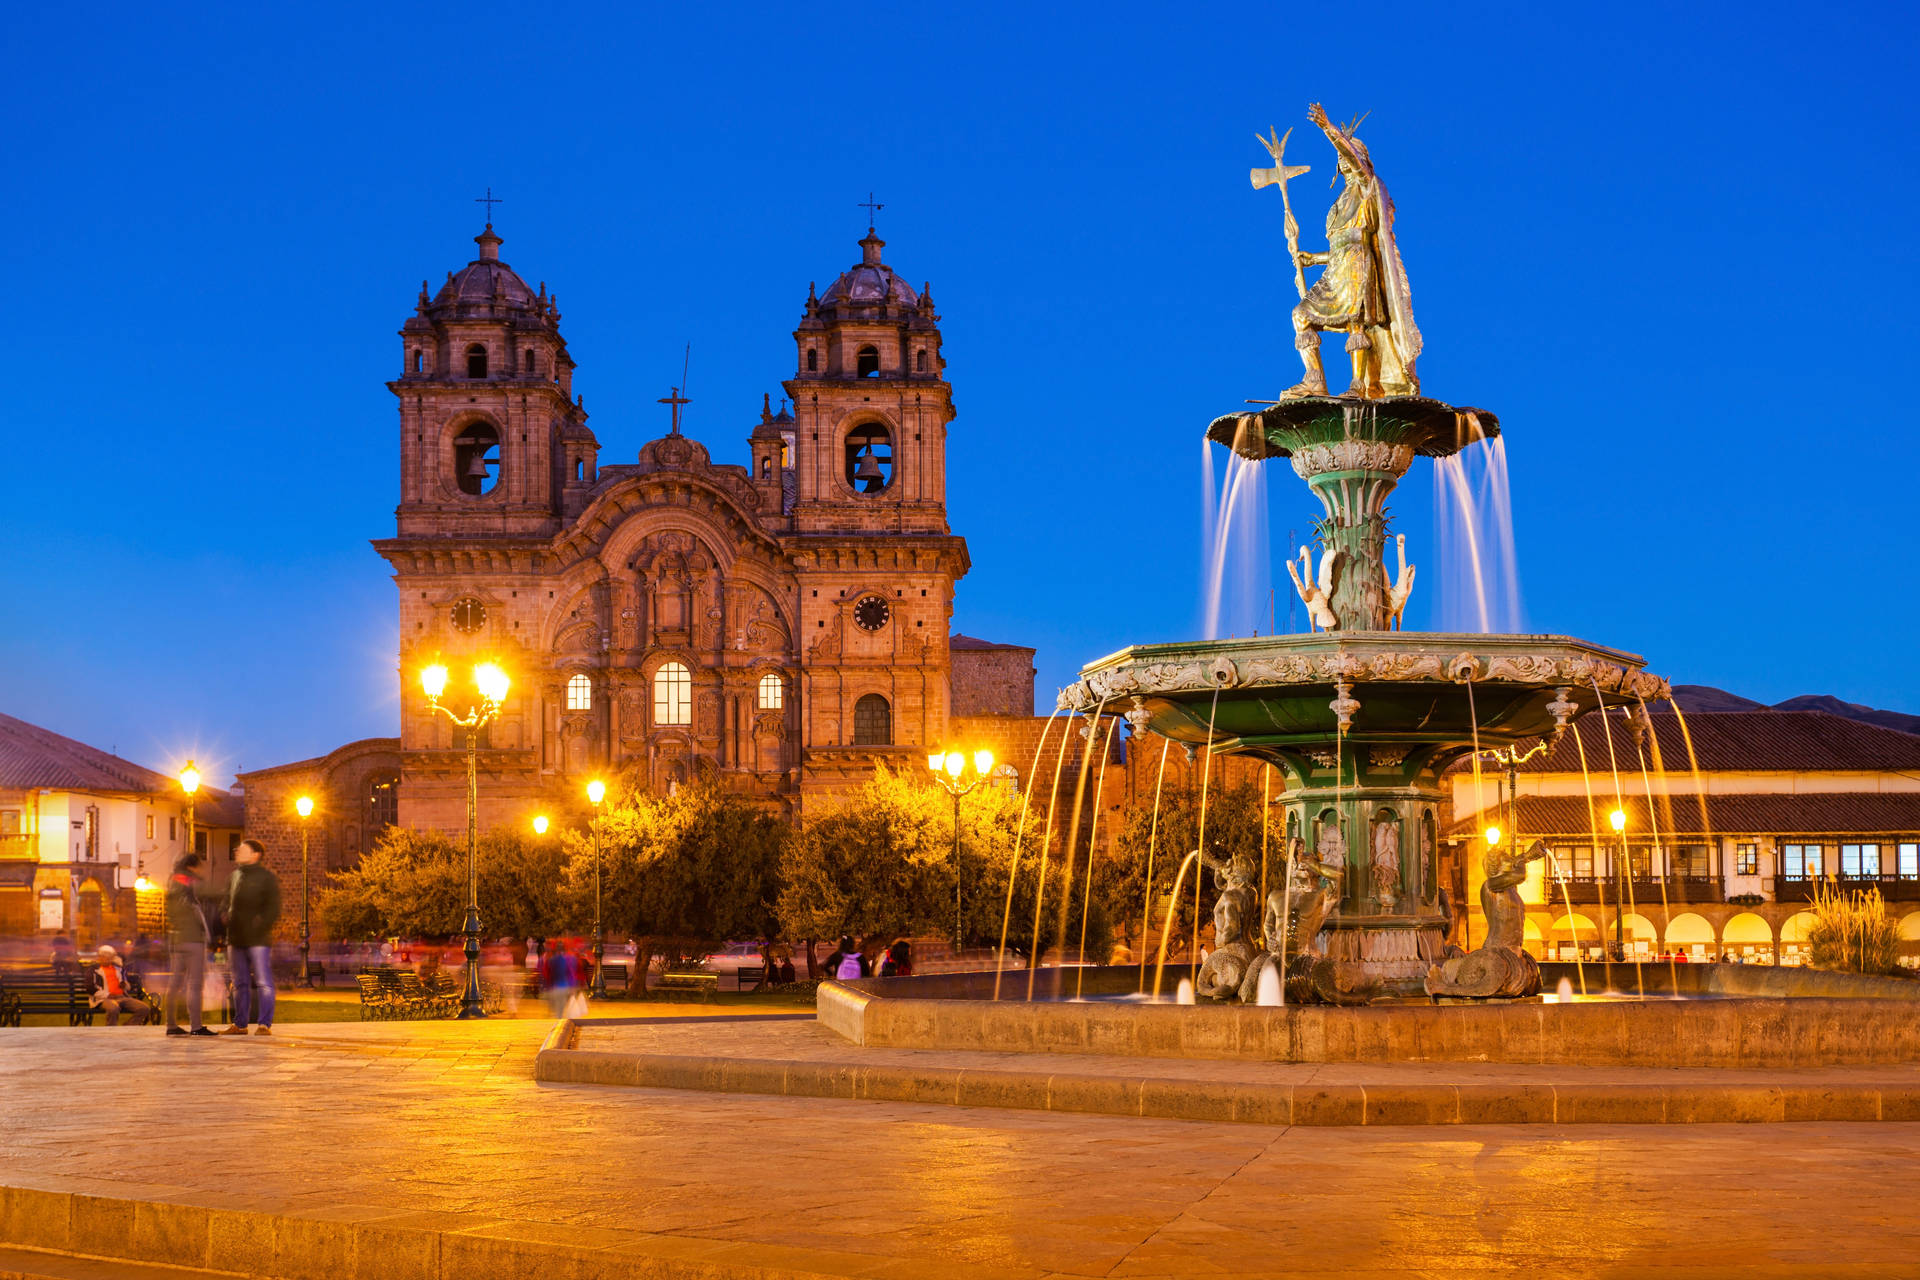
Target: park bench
{"points": [[748, 978], [615, 973], [696, 980], [44, 992], [378, 1001]]}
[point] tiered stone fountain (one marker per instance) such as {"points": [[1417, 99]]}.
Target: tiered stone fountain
{"points": [[1361, 720]]}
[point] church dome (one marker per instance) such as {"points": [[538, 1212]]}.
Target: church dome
{"points": [[485, 287], [870, 283]]}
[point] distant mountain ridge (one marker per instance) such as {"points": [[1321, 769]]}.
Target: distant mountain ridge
{"points": [[1704, 697]]}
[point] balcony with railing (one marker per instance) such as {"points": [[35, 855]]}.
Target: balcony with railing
{"points": [[1640, 891], [1801, 888]]}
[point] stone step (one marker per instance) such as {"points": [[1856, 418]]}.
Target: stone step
{"points": [[31, 1264]]}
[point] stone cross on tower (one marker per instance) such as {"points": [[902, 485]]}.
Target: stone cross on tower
{"points": [[489, 200], [676, 400]]}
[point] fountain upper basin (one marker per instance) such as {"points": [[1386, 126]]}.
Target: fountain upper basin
{"points": [[1271, 695]]}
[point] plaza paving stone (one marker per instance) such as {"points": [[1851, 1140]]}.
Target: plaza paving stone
{"points": [[395, 1150]]}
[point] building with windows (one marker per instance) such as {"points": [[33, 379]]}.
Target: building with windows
{"points": [[87, 839], [780, 624], [1730, 822]]}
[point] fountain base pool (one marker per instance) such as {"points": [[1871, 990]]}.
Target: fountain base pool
{"points": [[1769, 1019]]}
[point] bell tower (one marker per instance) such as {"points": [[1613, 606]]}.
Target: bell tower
{"points": [[490, 441], [871, 405]]}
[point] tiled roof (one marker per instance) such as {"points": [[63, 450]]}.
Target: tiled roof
{"points": [[34, 757], [1736, 742], [1835, 813], [971, 642]]}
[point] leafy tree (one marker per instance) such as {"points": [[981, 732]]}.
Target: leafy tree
{"points": [[1233, 815], [681, 872], [867, 865], [881, 863], [414, 884]]}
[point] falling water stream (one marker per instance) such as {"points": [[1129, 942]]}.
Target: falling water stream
{"points": [[1593, 833], [1093, 842], [1646, 778], [1046, 846], [1153, 838], [1019, 834]]}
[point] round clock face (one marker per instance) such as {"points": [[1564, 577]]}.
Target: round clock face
{"points": [[870, 614], [469, 615]]}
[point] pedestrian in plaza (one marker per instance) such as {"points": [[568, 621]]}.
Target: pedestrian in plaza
{"points": [[111, 994], [847, 963], [898, 962], [559, 976], [64, 962], [187, 935], [253, 907]]}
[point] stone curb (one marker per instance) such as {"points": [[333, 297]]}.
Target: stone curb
{"points": [[1164, 1098], [229, 1235]]}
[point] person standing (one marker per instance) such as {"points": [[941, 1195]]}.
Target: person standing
{"points": [[186, 946], [253, 907]]}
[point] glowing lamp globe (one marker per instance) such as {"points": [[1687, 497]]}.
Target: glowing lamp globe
{"points": [[540, 825], [956, 764], [1493, 837], [983, 762], [189, 779], [935, 760], [433, 680], [1619, 820], [491, 681], [596, 791], [304, 806]]}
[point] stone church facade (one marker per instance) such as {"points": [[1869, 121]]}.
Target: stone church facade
{"points": [[781, 625]]}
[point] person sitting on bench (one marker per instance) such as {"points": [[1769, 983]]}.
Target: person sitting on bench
{"points": [[110, 993]]}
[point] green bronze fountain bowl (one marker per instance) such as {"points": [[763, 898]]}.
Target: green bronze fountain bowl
{"points": [[1429, 428], [1427, 696]]}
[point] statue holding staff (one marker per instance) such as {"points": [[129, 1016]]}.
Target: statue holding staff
{"points": [[1363, 293]]}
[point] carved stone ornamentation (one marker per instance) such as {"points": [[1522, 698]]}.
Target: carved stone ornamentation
{"points": [[1526, 668], [1352, 455], [1344, 704]]}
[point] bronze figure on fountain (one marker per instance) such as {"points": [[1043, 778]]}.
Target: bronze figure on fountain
{"points": [[1501, 968], [1363, 293]]}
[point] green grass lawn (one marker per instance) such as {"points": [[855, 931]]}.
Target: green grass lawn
{"points": [[293, 1007]]}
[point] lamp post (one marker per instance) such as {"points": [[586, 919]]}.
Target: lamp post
{"points": [[493, 684], [190, 783], [949, 769], [596, 792], [1618, 820], [304, 807]]}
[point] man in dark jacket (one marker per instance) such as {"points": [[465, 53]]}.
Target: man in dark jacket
{"points": [[186, 946], [253, 905]]}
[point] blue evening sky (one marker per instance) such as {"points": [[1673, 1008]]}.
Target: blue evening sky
{"points": [[1670, 245]]}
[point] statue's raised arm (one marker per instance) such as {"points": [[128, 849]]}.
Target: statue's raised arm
{"points": [[1363, 293]]}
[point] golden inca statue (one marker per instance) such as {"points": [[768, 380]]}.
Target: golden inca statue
{"points": [[1363, 293]]}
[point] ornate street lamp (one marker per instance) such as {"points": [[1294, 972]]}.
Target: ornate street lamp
{"points": [[304, 807], [190, 783], [493, 684], [950, 770], [596, 792], [540, 824]]}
